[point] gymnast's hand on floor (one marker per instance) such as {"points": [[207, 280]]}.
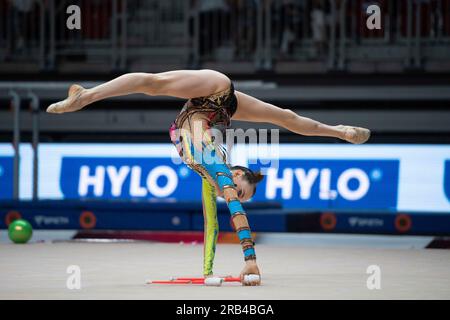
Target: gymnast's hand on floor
{"points": [[71, 104], [250, 268]]}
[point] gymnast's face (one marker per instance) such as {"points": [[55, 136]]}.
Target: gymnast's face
{"points": [[244, 189]]}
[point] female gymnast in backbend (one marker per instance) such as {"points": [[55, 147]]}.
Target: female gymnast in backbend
{"points": [[212, 103]]}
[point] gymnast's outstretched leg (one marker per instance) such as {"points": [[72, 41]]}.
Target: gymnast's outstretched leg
{"points": [[254, 110], [180, 83]]}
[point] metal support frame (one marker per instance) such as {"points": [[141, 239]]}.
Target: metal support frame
{"points": [[259, 36], [52, 47], [417, 43], [186, 28], [34, 108], [409, 32], [124, 38], [15, 105], [342, 36], [196, 35], [114, 35], [42, 36], [268, 36], [332, 40]]}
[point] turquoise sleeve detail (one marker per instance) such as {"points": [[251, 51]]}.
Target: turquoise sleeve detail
{"points": [[249, 252], [235, 206], [244, 234]]}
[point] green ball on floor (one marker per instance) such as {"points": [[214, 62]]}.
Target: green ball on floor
{"points": [[20, 231]]}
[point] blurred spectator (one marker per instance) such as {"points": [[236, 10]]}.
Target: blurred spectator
{"points": [[212, 5], [16, 26], [288, 12], [436, 24], [212, 14], [96, 19], [243, 26], [318, 28]]}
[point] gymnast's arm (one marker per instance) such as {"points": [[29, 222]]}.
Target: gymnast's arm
{"points": [[221, 173]]}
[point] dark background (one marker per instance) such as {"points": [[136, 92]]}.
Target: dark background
{"points": [[315, 57]]}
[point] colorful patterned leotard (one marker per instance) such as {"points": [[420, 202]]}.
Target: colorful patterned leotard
{"points": [[193, 134]]}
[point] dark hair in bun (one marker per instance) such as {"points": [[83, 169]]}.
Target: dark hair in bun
{"points": [[257, 177], [252, 177]]}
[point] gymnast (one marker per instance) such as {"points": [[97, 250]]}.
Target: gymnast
{"points": [[212, 102]]}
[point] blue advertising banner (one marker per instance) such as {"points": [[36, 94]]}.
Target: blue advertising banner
{"points": [[6, 177], [447, 179], [413, 178], [127, 178], [337, 184]]}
